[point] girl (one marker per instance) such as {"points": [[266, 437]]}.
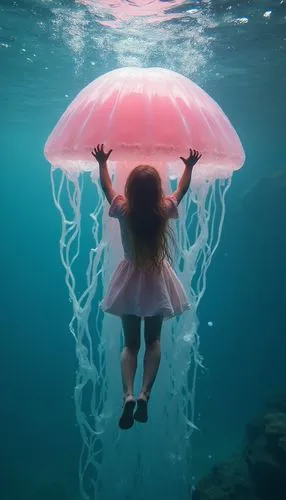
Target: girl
{"points": [[144, 286]]}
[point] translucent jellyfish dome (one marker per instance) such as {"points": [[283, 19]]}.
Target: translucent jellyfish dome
{"points": [[145, 115]]}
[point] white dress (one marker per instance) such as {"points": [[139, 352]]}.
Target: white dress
{"points": [[135, 292]]}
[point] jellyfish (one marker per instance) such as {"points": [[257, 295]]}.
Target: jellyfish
{"points": [[146, 115]]}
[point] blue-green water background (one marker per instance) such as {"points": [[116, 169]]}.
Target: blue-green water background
{"points": [[49, 51]]}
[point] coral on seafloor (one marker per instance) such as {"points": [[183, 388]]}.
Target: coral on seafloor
{"points": [[259, 472], [226, 481]]}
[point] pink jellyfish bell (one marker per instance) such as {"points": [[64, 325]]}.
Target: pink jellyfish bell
{"points": [[145, 115]]}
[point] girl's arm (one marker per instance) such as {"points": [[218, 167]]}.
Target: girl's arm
{"points": [[185, 180], [104, 176]]}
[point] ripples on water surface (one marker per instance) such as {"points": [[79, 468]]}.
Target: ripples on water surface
{"points": [[210, 39]]}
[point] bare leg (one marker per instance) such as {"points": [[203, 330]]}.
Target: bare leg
{"points": [[131, 329], [152, 357]]}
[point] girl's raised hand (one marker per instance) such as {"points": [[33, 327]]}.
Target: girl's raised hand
{"points": [[100, 155], [192, 159]]}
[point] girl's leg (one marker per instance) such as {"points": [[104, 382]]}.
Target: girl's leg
{"points": [[152, 357], [131, 328]]}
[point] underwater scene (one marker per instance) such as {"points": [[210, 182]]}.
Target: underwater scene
{"points": [[194, 91]]}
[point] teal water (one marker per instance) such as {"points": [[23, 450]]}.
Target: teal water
{"points": [[49, 51]]}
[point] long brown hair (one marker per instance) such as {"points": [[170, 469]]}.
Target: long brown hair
{"points": [[146, 215]]}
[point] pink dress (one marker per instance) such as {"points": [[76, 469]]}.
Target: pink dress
{"points": [[132, 291]]}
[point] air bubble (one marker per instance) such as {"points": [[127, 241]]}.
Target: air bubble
{"points": [[241, 20], [267, 14]]}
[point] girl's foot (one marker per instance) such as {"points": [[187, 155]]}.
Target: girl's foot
{"points": [[141, 413], [127, 419]]}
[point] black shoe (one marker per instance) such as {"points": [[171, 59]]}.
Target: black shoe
{"points": [[141, 413], [127, 419]]}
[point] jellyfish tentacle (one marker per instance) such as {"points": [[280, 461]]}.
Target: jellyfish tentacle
{"points": [[89, 374]]}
